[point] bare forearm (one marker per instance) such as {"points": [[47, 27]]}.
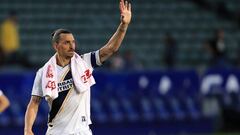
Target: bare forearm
{"points": [[31, 114], [30, 117], [116, 40], [114, 43]]}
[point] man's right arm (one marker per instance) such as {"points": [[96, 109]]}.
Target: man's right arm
{"points": [[31, 114]]}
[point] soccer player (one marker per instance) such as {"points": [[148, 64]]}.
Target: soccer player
{"points": [[70, 105], [4, 102]]}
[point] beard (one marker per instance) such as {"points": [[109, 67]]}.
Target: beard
{"points": [[70, 54]]}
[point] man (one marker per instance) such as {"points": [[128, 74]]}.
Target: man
{"points": [[170, 51], [70, 105], [9, 37], [217, 49], [4, 102], [10, 42]]}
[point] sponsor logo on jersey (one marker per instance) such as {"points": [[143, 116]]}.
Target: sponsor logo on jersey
{"points": [[65, 85]]}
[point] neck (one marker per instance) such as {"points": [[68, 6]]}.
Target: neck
{"points": [[62, 61]]}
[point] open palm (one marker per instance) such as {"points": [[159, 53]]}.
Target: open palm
{"points": [[125, 10]]}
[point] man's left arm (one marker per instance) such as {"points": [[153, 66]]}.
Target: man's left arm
{"points": [[114, 43], [4, 103]]}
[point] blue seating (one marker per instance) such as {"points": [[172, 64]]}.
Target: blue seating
{"points": [[5, 119], [147, 112], [98, 113], [115, 112], [162, 113], [130, 111], [172, 96]]}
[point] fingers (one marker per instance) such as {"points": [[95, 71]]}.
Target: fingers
{"points": [[124, 4], [121, 5], [129, 7]]}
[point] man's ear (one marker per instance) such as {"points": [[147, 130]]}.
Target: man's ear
{"points": [[55, 46]]}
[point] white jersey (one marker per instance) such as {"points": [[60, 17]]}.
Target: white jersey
{"points": [[70, 111]]}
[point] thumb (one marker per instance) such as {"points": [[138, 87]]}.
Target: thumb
{"points": [[121, 17]]}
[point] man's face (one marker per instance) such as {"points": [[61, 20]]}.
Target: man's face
{"points": [[66, 45]]}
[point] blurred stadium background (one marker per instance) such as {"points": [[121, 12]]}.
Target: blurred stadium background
{"points": [[192, 97]]}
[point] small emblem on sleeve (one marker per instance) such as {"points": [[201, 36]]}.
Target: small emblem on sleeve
{"points": [[86, 76]]}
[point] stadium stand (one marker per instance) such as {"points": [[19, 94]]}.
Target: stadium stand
{"points": [[92, 21]]}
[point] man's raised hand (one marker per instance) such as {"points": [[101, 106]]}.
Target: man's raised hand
{"points": [[125, 11]]}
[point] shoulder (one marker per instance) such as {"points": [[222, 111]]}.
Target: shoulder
{"points": [[39, 72]]}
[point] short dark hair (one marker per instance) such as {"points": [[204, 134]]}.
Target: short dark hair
{"points": [[56, 34]]}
